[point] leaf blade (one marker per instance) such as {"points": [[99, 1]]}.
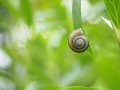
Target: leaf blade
{"points": [[79, 88], [26, 11]]}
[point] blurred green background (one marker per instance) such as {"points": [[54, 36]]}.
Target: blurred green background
{"points": [[34, 52]]}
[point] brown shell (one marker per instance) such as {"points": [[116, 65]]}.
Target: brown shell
{"points": [[78, 34]]}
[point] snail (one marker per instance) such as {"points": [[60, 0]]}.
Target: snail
{"points": [[78, 42]]}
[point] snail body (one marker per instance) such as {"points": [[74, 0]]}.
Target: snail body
{"points": [[78, 42]]}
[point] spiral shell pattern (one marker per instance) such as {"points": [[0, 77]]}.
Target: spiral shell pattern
{"points": [[78, 42]]}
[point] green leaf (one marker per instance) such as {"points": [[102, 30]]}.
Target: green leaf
{"points": [[107, 66], [94, 1], [6, 74], [79, 88], [113, 8], [49, 87], [26, 11], [76, 12], [11, 9]]}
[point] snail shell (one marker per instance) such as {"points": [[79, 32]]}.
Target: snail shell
{"points": [[78, 42]]}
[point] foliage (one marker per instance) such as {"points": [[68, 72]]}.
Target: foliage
{"points": [[34, 35], [114, 11]]}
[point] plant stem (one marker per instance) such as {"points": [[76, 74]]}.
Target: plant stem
{"points": [[76, 13]]}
